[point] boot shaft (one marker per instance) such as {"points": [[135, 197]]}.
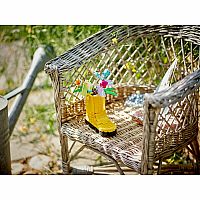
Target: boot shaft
{"points": [[95, 104]]}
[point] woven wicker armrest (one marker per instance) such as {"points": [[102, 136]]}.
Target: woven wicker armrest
{"points": [[176, 121], [176, 92]]}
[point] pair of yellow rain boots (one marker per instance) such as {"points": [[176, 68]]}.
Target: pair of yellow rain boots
{"points": [[96, 116]]}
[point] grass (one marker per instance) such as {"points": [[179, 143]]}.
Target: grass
{"points": [[40, 118]]}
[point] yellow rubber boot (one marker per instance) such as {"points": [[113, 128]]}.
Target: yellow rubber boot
{"points": [[96, 116]]}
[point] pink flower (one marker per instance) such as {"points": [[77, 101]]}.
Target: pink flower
{"points": [[103, 83]]}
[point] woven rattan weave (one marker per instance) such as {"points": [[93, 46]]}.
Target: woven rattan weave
{"points": [[138, 57]]}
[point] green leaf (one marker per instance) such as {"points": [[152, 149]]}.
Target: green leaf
{"points": [[79, 89], [110, 91]]}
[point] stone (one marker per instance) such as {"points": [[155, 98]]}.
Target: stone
{"points": [[55, 141], [21, 151], [17, 168], [30, 173], [39, 162]]}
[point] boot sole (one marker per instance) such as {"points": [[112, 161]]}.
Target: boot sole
{"points": [[103, 134]]}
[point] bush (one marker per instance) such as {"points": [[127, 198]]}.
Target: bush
{"points": [[59, 36]]}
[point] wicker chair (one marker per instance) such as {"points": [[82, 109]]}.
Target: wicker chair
{"points": [[138, 57]]}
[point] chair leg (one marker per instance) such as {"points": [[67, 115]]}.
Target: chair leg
{"points": [[109, 158], [195, 148], [159, 166], [65, 154]]}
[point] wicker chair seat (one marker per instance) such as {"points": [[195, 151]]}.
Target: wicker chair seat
{"points": [[126, 146]]}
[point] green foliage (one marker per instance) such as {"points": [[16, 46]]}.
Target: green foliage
{"points": [[60, 37], [178, 158], [42, 116]]}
